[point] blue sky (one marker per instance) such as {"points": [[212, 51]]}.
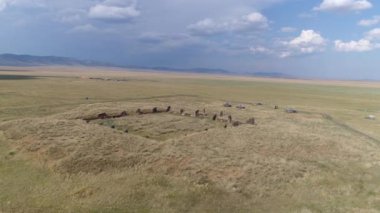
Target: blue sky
{"points": [[306, 38]]}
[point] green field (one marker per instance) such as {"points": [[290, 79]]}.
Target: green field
{"points": [[326, 158]]}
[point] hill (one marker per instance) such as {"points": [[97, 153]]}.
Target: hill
{"points": [[272, 75], [30, 60]]}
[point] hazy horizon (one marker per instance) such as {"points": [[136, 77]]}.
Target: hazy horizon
{"points": [[333, 39]]}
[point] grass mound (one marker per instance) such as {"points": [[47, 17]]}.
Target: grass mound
{"points": [[73, 146], [281, 154]]}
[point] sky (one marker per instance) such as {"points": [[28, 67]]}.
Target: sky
{"points": [[333, 39]]}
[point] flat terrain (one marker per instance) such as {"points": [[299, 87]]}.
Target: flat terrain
{"points": [[57, 156]]}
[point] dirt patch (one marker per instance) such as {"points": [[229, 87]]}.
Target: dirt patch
{"points": [[160, 127]]}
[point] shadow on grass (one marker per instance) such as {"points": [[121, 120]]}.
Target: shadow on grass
{"points": [[17, 77]]}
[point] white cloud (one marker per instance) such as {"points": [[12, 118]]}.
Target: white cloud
{"points": [[3, 4], [307, 37], [288, 29], [83, 29], [368, 43], [113, 12], [344, 5], [71, 16], [261, 50], [285, 54], [205, 26], [307, 42], [369, 22], [255, 18], [252, 21], [373, 34], [362, 45]]}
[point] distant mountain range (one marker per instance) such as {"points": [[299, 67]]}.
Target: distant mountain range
{"points": [[30, 60], [271, 75], [192, 70]]}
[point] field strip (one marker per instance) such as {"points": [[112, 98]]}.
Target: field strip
{"points": [[101, 102], [106, 101], [349, 128], [340, 124]]}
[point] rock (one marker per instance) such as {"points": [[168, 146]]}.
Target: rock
{"points": [[236, 123], [290, 110], [227, 104], [251, 121], [371, 117]]}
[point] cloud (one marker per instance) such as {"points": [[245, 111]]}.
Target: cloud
{"points": [[255, 18], [373, 34], [368, 43], [261, 50], [369, 22], [160, 41], [362, 45], [252, 21], [70, 16], [344, 5], [84, 29], [307, 15], [288, 29], [4, 4], [155, 38], [205, 26], [307, 42], [107, 12]]}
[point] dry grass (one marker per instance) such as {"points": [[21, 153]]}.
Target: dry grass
{"points": [[52, 160]]}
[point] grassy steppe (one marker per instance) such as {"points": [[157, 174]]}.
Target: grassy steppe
{"points": [[324, 159]]}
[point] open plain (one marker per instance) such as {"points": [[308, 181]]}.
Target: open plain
{"points": [[57, 154]]}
